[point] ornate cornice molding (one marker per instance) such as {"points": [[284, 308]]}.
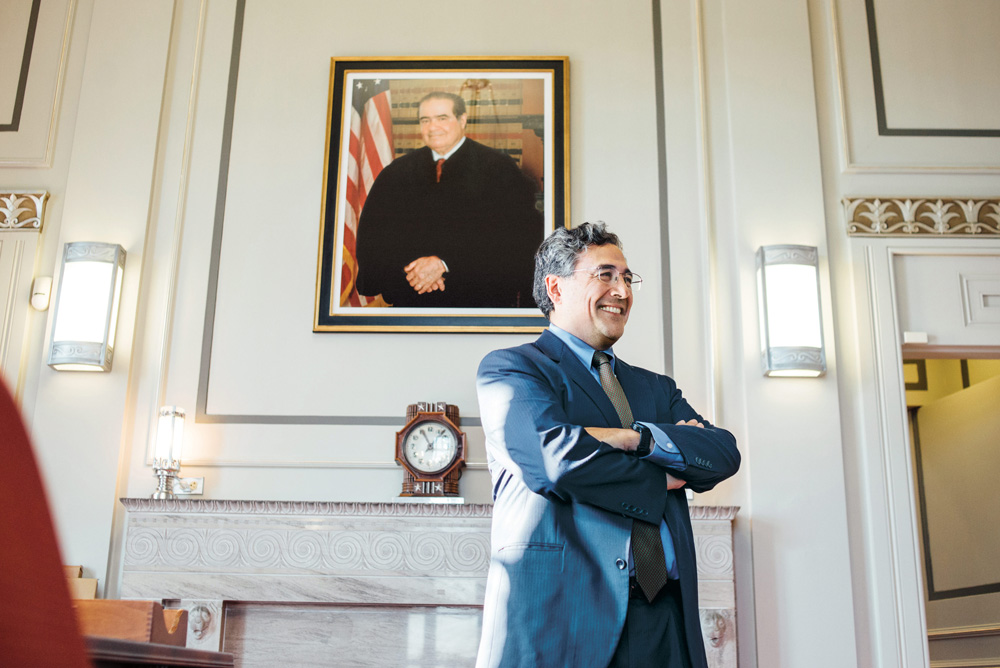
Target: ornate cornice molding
{"points": [[909, 217], [353, 509], [329, 508], [21, 210], [713, 512]]}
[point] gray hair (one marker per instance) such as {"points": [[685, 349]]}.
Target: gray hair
{"points": [[458, 104], [560, 252]]}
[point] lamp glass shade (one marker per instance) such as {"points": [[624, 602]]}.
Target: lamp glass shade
{"points": [[169, 435], [86, 307], [791, 328]]}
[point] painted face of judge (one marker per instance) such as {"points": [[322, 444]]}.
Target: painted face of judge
{"points": [[439, 127]]}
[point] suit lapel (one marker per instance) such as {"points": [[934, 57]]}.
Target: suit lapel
{"points": [[570, 365], [640, 400]]}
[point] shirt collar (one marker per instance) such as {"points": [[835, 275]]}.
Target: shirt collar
{"points": [[582, 350], [438, 156]]}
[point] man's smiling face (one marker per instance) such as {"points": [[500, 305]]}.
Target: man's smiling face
{"points": [[593, 311]]}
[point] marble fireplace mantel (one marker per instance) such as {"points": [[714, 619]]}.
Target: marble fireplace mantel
{"points": [[304, 582]]}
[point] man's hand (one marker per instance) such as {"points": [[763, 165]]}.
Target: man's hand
{"points": [[674, 483], [691, 423], [623, 439], [425, 274], [628, 440]]}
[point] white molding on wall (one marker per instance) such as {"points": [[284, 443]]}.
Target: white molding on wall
{"points": [[964, 632], [45, 148], [158, 387], [858, 125], [893, 551], [308, 464], [899, 615]]}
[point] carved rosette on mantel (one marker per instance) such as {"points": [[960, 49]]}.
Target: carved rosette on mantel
{"points": [[927, 216], [279, 582]]}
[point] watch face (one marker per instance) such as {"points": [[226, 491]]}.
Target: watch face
{"points": [[430, 447]]}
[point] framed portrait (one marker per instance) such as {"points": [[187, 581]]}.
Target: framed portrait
{"points": [[441, 178]]}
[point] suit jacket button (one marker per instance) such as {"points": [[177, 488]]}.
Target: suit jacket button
{"points": [[620, 564]]}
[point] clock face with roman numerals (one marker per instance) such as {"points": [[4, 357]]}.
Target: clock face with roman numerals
{"points": [[430, 447]]}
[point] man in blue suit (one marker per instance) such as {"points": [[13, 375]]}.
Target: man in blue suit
{"points": [[592, 560]]}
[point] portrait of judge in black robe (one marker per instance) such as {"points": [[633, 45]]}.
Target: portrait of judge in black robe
{"points": [[450, 225]]}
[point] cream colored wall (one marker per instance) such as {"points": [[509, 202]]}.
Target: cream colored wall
{"points": [[755, 152], [743, 162], [148, 137], [858, 162], [77, 420], [266, 278]]}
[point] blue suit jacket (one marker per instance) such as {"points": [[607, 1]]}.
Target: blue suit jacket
{"points": [[557, 590]]}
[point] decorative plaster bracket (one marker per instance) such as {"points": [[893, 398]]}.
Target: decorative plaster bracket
{"points": [[909, 217], [21, 210]]}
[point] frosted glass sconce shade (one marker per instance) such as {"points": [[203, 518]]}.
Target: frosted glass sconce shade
{"points": [[86, 310], [791, 328]]}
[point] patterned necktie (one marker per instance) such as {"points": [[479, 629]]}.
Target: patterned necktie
{"points": [[438, 166], [647, 547]]}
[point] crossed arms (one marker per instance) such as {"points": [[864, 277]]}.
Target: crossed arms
{"points": [[533, 416]]}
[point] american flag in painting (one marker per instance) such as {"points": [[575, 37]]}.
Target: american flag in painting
{"points": [[370, 150]]}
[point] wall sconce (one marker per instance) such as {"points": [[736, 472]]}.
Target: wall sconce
{"points": [[167, 456], [86, 310], [791, 331]]}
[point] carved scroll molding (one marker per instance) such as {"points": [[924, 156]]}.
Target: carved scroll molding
{"points": [[306, 538], [909, 217], [386, 550], [715, 556], [346, 538], [21, 210]]}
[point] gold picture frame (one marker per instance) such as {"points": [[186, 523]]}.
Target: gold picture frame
{"points": [[514, 105]]}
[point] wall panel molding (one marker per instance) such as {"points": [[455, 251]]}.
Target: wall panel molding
{"points": [[28, 123]]}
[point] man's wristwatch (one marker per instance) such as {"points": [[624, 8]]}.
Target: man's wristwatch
{"points": [[645, 439]]}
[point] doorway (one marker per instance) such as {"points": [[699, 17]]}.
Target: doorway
{"points": [[953, 406]]}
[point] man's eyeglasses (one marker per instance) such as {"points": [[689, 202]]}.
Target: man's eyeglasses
{"points": [[610, 276]]}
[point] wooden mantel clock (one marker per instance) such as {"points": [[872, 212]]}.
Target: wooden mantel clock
{"points": [[431, 450]]}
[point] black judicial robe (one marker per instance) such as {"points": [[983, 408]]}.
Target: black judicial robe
{"points": [[480, 219]]}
